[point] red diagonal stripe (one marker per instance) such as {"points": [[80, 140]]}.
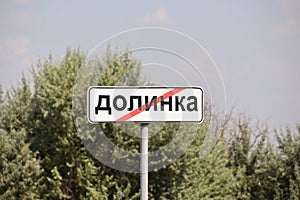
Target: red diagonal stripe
{"points": [[143, 108]]}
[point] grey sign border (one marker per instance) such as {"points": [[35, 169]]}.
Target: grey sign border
{"points": [[143, 87]]}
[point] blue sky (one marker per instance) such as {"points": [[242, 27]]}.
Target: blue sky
{"points": [[255, 44]]}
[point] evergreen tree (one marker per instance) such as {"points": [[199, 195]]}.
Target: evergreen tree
{"points": [[288, 165], [70, 171], [254, 162], [42, 157], [20, 170]]}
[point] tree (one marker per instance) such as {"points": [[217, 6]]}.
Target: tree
{"points": [[20, 170], [69, 170], [289, 162], [254, 161], [42, 156]]}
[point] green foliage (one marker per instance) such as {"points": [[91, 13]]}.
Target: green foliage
{"points": [[20, 170], [252, 158], [42, 157], [288, 167], [262, 170], [1, 96], [69, 171], [16, 106]]}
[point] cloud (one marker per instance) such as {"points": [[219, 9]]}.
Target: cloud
{"points": [[160, 16], [289, 3], [23, 1], [21, 20], [14, 58], [290, 26], [234, 72], [18, 46]]}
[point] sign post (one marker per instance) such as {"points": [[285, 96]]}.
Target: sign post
{"points": [[122, 104], [144, 162]]}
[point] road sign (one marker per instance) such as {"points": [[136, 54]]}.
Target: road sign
{"points": [[144, 104]]}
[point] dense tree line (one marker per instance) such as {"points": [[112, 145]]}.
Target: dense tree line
{"points": [[42, 157]]}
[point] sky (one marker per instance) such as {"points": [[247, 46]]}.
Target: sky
{"points": [[255, 44]]}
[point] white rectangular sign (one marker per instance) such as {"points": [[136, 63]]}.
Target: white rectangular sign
{"points": [[144, 104]]}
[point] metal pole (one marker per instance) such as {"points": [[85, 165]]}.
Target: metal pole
{"points": [[144, 162]]}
